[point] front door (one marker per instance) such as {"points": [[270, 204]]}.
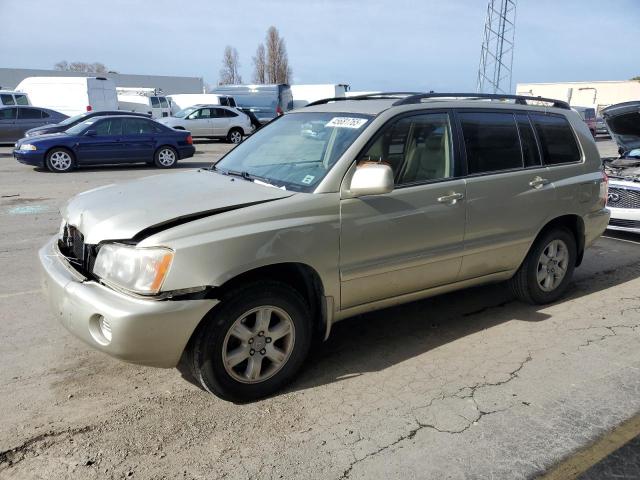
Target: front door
{"points": [[412, 238], [8, 129], [198, 123], [105, 146]]}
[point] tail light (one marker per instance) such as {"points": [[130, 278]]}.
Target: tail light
{"points": [[279, 111], [604, 189], [189, 140], [89, 108]]}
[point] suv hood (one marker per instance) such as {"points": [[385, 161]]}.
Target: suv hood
{"points": [[623, 121], [145, 206]]}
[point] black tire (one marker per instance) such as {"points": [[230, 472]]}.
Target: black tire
{"points": [[165, 157], [205, 353], [60, 160], [235, 135], [525, 285]]}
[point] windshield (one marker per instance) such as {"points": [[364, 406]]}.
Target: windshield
{"points": [[185, 111], [76, 129], [297, 150], [73, 119]]}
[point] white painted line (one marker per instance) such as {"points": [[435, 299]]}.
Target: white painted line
{"points": [[621, 239], [16, 294]]}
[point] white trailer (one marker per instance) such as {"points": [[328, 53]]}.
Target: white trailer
{"points": [[305, 94], [143, 100], [71, 95]]}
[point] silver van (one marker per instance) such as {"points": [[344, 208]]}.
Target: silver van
{"points": [[339, 208]]}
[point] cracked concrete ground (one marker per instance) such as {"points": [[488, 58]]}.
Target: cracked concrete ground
{"points": [[467, 385]]}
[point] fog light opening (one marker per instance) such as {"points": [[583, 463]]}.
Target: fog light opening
{"points": [[100, 329]]}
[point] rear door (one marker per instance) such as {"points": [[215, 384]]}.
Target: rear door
{"points": [[220, 122], [8, 129], [509, 194], [138, 136], [106, 145]]}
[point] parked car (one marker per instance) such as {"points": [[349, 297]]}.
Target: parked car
{"points": [[71, 95], [211, 121], [71, 121], [623, 121], [143, 100], [601, 127], [106, 140], [332, 210], [588, 115], [10, 97], [265, 101], [181, 101], [15, 121]]}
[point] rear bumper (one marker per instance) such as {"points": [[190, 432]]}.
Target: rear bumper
{"points": [[148, 332], [187, 151], [595, 223], [29, 157]]}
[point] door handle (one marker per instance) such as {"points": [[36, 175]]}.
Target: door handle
{"points": [[452, 198], [538, 182]]}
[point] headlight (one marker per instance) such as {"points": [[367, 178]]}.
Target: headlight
{"points": [[140, 270], [27, 146]]}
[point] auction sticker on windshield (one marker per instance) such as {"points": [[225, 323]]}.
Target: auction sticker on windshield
{"points": [[346, 122]]}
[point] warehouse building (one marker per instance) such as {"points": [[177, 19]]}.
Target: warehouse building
{"points": [[586, 94], [11, 77]]}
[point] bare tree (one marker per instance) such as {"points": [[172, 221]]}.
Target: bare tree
{"points": [[83, 67], [278, 70], [260, 66], [229, 74]]}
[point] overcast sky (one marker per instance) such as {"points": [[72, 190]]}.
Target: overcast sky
{"points": [[370, 44]]}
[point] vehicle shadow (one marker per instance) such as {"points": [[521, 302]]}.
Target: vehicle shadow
{"points": [[182, 164], [377, 340]]}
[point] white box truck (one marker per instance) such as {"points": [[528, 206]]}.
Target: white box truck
{"points": [[305, 94], [71, 95], [180, 101], [143, 100]]}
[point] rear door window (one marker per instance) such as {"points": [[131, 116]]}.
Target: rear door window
{"points": [[530, 153], [7, 99], [491, 141], [29, 114], [137, 126], [557, 141]]}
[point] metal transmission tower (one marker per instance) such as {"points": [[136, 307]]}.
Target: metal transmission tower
{"points": [[496, 57]]}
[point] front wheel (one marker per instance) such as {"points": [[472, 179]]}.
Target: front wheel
{"points": [[545, 274], [253, 343], [234, 136], [166, 157], [59, 160]]}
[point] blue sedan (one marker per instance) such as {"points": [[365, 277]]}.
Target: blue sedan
{"points": [[107, 140]]}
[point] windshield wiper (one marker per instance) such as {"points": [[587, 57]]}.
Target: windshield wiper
{"points": [[247, 176]]}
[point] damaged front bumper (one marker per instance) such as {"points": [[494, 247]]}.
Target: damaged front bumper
{"points": [[145, 331]]}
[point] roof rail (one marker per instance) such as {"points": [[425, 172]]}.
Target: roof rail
{"points": [[367, 96], [518, 99]]}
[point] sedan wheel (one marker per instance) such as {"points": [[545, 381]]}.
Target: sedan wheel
{"points": [[166, 157], [59, 161], [235, 136]]}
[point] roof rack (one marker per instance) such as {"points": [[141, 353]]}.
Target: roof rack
{"points": [[367, 96], [518, 99]]}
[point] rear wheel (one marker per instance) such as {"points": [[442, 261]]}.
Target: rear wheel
{"points": [[234, 136], [60, 160], [253, 343], [166, 157], [546, 272]]}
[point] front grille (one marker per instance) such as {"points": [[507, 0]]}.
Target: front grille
{"points": [[618, 222], [72, 246], [620, 197]]}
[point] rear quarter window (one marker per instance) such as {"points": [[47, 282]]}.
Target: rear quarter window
{"points": [[557, 141]]}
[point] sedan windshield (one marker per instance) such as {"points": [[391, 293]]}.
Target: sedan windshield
{"points": [[295, 151], [185, 111], [73, 119], [76, 129]]}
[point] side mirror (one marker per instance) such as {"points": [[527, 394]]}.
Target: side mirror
{"points": [[371, 178], [92, 132]]}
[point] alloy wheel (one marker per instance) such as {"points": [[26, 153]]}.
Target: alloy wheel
{"points": [[235, 137], [166, 157], [60, 160], [552, 265], [258, 344]]}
